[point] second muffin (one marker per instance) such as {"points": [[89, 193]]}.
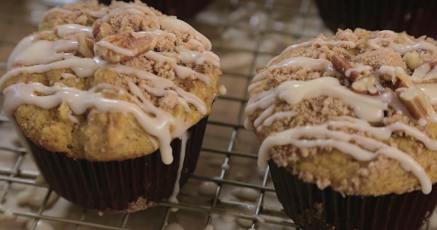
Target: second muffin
{"points": [[348, 127]]}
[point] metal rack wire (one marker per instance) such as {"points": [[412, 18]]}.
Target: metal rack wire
{"points": [[14, 174]]}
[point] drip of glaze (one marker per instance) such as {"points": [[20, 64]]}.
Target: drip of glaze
{"points": [[34, 196], [176, 188], [207, 188], [40, 225], [247, 194], [429, 89], [222, 90], [22, 45]]}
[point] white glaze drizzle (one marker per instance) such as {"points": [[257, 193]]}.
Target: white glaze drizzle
{"points": [[429, 89], [171, 22], [138, 8], [45, 52], [68, 75], [82, 67], [400, 48], [424, 73], [184, 72], [97, 14], [21, 46], [303, 62], [173, 198], [181, 71], [189, 56], [341, 141], [160, 84], [317, 41], [292, 92], [69, 29], [114, 48]]}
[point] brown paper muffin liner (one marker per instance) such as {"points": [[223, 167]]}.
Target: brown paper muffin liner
{"points": [[119, 186], [315, 209], [416, 17]]}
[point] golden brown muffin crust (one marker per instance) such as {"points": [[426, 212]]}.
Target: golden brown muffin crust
{"points": [[327, 166]]}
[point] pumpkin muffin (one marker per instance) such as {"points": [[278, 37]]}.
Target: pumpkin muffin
{"points": [[347, 125], [112, 102]]}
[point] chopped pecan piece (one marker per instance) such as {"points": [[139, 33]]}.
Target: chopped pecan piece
{"points": [[426, 71], [101, 30], [365, 85], [85, 45], [401, 79], [345, 67], [417, 103], [125, 46]]}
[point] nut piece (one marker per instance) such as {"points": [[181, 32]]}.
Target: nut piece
{"points": [[365, 85], [101, 30], [417, 103], [401, 79], [345, 67], [125, 46], [85, 45], [426, 71], [412, 60], [341, 65]]}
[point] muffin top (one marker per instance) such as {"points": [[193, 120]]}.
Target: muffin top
{"points": [[355, 111], [110, 83]]}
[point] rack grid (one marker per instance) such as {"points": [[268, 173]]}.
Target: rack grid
{"points": [[272, 15]]}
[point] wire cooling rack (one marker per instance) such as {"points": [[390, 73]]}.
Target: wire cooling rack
{"points": [[245, 34]]}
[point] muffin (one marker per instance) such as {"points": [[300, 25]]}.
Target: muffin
{"points": [[112, 102], [417, 18], [347, 126]]}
